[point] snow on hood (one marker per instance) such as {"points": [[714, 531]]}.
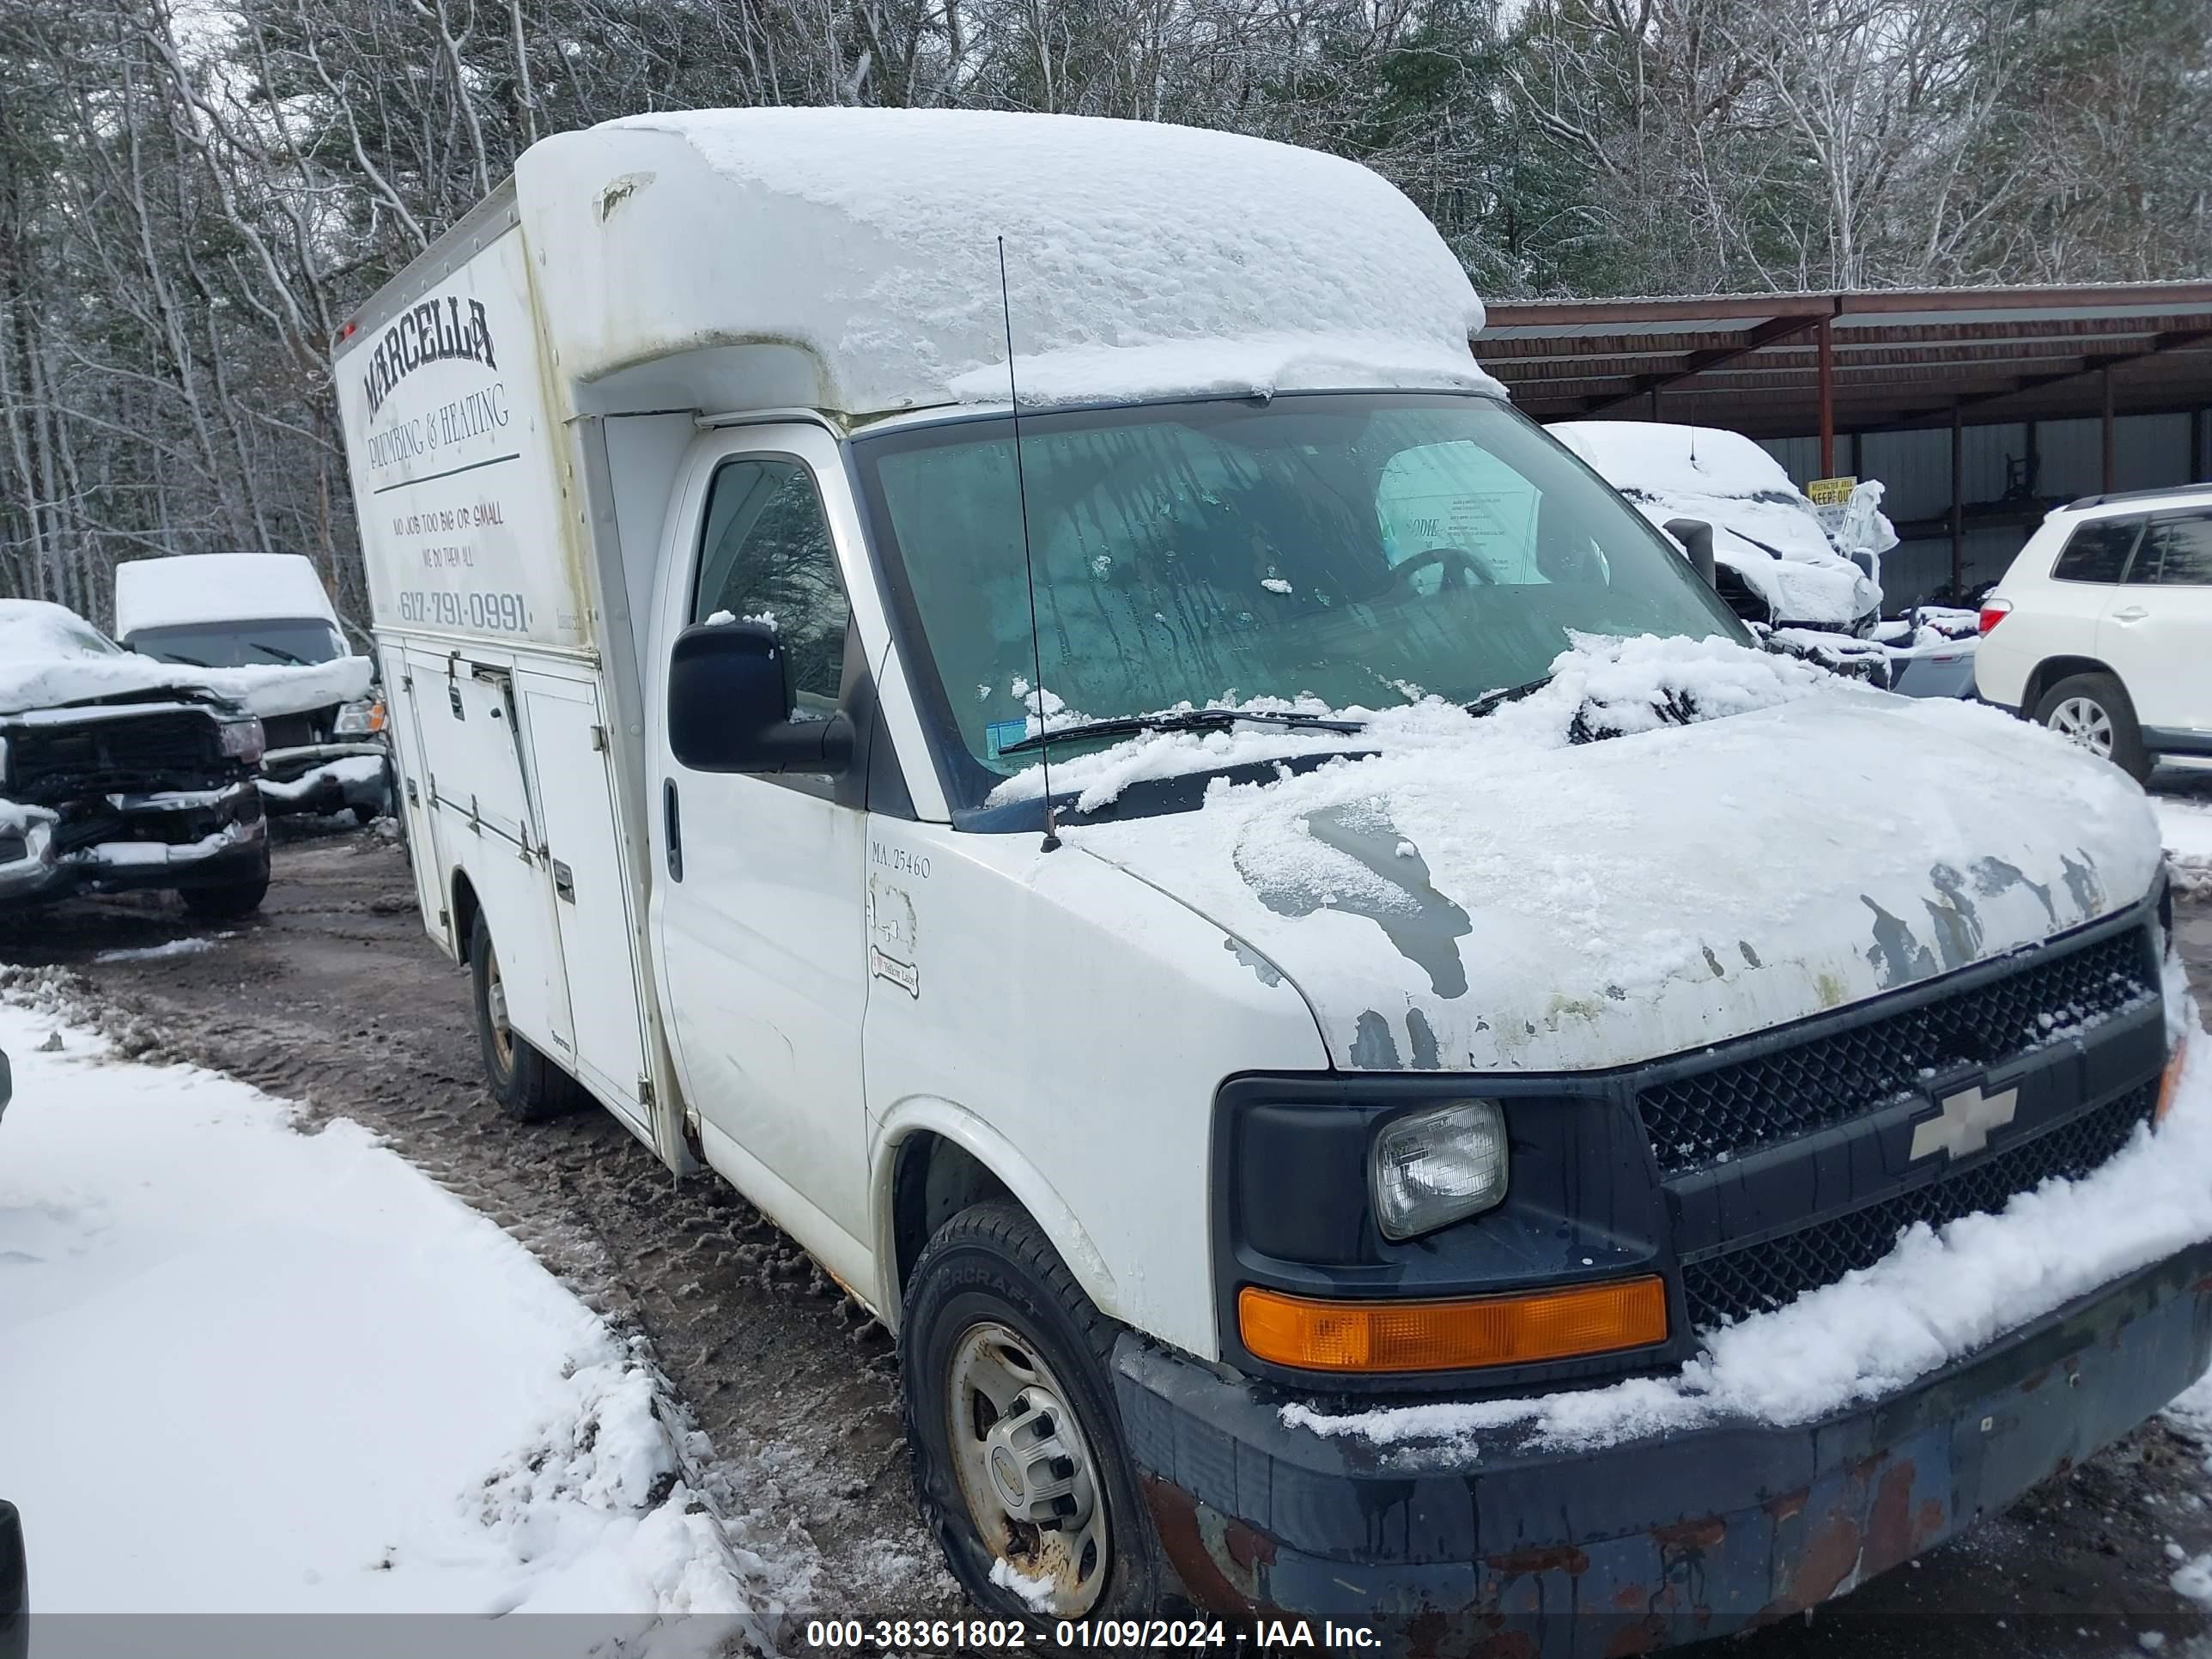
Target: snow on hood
{"points": [[1764, 526], [50, 657], [1502, 893]]}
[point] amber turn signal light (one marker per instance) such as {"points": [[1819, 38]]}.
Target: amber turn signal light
{"points": [[1314, 1336], [2170, 1083]]}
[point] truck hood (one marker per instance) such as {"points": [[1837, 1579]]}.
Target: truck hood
{"points": [[1523, 899]]}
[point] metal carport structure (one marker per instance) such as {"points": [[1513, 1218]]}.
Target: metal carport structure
{"points": [[1839, 366]]}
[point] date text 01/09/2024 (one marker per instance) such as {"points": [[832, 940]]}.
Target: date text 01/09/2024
{"points": [[1248, 1638], [504, 613]]}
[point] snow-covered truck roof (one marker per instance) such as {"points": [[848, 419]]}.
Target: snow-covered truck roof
{"points": [[847, 260], [217, 588]]}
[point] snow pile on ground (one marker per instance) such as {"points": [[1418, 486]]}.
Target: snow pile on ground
{"points": [[1937, 1296], [1142, 259], [352, 1393], [1763, 525], [175, 947], [49, 656]]}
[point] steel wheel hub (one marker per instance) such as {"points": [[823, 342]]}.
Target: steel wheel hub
{"points": [[2086, 722], [503, 1037], [1026, 1470]]}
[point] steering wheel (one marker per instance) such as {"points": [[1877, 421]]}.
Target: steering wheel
{"points": [[1473, 572]]}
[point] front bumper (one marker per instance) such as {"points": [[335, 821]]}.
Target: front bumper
{"points": [[316, 778], [167, 840], [1502, 1546]]}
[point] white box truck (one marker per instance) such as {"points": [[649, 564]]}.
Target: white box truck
{"points": [[325, 751], [1254, 912]]}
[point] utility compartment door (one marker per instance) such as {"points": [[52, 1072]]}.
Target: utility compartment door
{"points": [[591, 905], [403, 733], [468, 716]]}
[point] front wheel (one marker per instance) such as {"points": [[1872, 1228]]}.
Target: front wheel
{"points": [[525, 1083], [2094, 710], [227, 902], [1018, 1464]]}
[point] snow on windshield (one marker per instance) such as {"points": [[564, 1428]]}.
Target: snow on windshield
{"points": [[1598, 688], [34, 630], [1318, 552]]}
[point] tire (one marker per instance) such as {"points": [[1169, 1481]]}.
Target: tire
{"points": [[989, 1286], [228, 902], [2094, 710], [524, 1083]]}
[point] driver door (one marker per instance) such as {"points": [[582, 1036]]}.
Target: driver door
{"points": [[759, 914]]}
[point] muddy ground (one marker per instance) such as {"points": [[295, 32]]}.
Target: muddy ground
{"points": [[333, 996]]}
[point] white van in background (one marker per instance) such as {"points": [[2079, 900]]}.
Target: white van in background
{"points": [[1245, 904], [264, 610]]}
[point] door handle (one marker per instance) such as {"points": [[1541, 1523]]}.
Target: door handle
{"points": [[2130, 614], [672, 821]]}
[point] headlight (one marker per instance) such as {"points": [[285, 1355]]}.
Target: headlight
{"points": [[1434, 1167], [244, 739], [360, 719]]}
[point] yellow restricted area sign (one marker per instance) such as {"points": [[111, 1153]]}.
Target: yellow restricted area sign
{"points": [[1831, 492]]}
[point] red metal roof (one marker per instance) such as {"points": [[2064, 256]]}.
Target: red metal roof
{"points": [[1898, 358]]}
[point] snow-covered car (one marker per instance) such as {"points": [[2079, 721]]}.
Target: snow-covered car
{"points": [[117, 773], [1363, 1040], [247, 610], [1777, 564]]}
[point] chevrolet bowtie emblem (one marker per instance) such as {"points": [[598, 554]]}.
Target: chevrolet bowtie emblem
{"points": [[1964, 1124]]}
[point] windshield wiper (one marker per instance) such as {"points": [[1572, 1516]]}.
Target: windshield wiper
{"points": [[277, 652], [1182, 720], [1489, 702]]}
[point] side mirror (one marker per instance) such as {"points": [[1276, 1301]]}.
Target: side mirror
{"points": [[729, 706], [1697, 539]]}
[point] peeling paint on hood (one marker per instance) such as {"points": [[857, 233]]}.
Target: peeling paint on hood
{"points": [[1497, 905]]}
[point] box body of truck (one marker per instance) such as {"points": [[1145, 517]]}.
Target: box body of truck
{"points": [[1228, 898]]}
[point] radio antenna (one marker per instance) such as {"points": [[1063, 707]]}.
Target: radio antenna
{"points": [[1029, 559]]}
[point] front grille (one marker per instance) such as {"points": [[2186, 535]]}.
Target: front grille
{"points": [[1753, 1278], [1732, 1110], [115, 752]]}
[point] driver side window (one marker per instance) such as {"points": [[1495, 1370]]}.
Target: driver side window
{"points": [[765, 556]]}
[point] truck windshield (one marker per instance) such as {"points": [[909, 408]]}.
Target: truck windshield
{"points": [[1362, 549], [242, 644]]}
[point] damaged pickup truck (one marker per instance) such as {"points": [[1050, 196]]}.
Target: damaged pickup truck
{"points": [[117, 773]]}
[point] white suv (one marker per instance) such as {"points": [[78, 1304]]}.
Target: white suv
{"points": [[2102, 629]]}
